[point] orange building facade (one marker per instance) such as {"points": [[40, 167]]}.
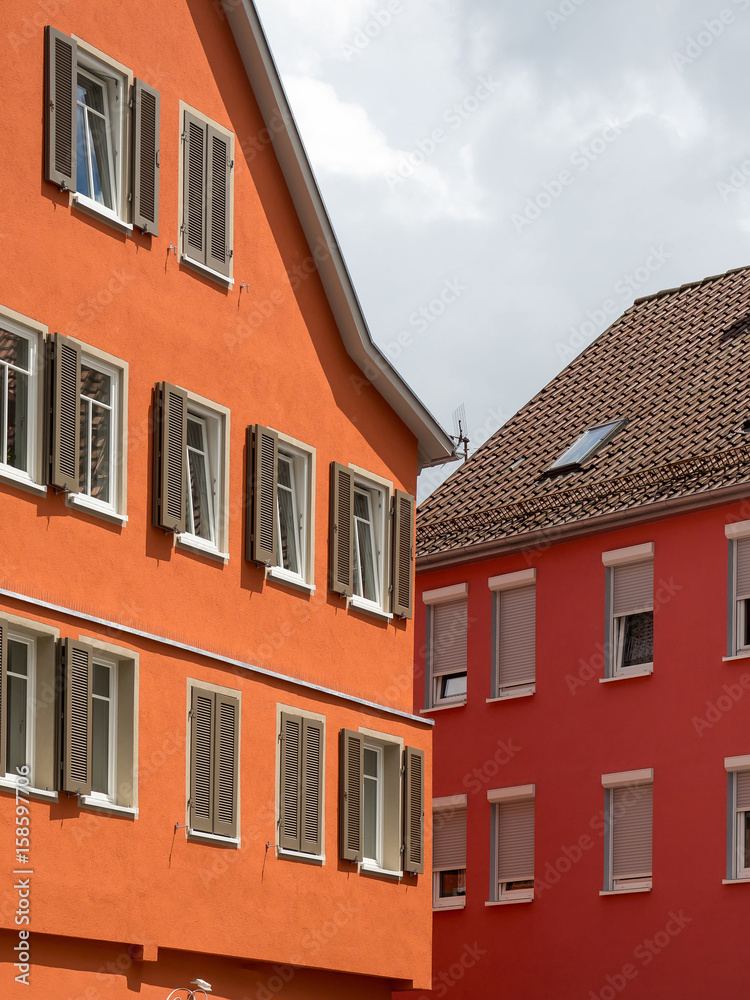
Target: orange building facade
{"points": [[209, 764]]}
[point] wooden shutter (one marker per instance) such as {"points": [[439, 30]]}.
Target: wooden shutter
{"points": [[65, 383], [77, 671], [218, 218], [402, 593], [194, 189], [413, 810], [145, 168], [351, 831], [633, 588], [226, 765], [202, 726], [515, 840], [170, 455], [60, 57], [448, 639], [742, 553], [342, 530], [449, 839], [3, 691], [289, 793], [516, 636], [632, 812], [311, 810], [263, 454], [742, 790]]}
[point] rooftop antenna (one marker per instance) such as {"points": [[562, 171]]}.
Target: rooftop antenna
{"points": [[459, 423]]}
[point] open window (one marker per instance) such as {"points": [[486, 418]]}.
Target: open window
{"points": [[630, 610], [449, 852], [738, 617], [21, 401]]}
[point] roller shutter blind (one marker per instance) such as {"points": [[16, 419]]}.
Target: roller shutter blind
{"points": [[449, 839], [516, 636], [742, 793], [449, 623], [633, 588], [632, 820], [515, 840], [743, 569]]}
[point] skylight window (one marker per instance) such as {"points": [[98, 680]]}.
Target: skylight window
{"points": [[586, 445]]}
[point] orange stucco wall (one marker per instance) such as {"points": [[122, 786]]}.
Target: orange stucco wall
{"points": [[273, 356]]}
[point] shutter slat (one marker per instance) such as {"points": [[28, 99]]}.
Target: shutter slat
{"points": [[448, 645], [632, 812], [218, 221], [311, 818], [65, 356], [61, 54], [515, 841], [402, 601], [743, 790], [413, 810], [201, 760], [449, 839], [633, 588], [170, 449], [194, 189], [145, 167], [3, 692], [289, 798], [516, 636], [342, 530], [350, 796], [77, 659], [264, 495], [743, 569], [226, 750]]}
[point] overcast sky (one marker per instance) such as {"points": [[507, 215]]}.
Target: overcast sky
{"points": [[506, 176]]}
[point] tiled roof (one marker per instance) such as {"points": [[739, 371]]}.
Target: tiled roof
{"points": [[675, 366]]}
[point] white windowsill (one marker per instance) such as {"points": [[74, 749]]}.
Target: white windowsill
{"points": [[187, 541], [368, 607], [374, 870], [280, 575], [212, 838], [510, 902], [11, 477], [458, 904], [100, 805], [207, 272], [624, 677], [85, 503], [624, 892], [735, 881], [522, 693], [442, 708], [737, 656], [314, 859], [27, 791], [98, 211]]}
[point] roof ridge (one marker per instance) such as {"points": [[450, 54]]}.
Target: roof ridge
{"points": [[689, 284]]}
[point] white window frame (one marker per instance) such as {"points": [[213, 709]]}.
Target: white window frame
{"points": [[111, 666], [446, 804], [498, 797], [738, 644], [610, 782], [118, 81], [431, 598], [217, 423], [302, 457], [379, 780], [616, 623], [381, 492], [391, 750], [31, 479], [30, 644]]}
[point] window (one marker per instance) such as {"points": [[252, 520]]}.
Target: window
{"points": [[513, 844], [207, 179], [280, 510], [381, 803], [20, 401], [738, 640], [447, 626], [20, 694], [301, 783], [371, 542], [629, 818], [630, 610], [192, 470], [93, 106], [514, 633], [449, 852], [213, 763], [587, 445], [738, 840]]}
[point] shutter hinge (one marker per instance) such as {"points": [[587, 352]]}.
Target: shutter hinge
{"points": [[184, 136], [130, 103], [157, 157], [231, 164], [231, 253]]}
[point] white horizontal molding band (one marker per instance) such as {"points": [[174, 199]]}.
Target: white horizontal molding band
{"points": [[633, 553], [508, 581], [510, 794], [453, 593], [620, 779]]}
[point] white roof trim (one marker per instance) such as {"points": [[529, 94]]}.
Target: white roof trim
{"points": [[435, 447]]}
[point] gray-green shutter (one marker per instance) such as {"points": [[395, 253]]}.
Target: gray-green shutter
{"points": [[65, 383], [226, 765], [3, 691], [218, 218], [194, 189], [341, 562], [291, 780], [202, 726], [170, 455], [60, 55], [146, 158], [351, 830], [413, 810], [77, 671], [402, 593], [262, 487], [311, 810]]}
